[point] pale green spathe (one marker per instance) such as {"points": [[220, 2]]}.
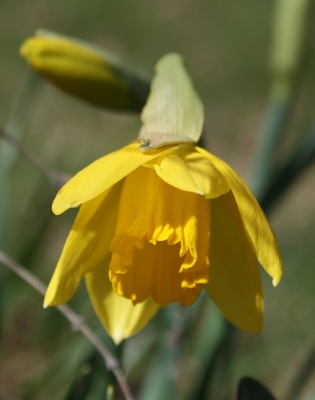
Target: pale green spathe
{"points": [[173, 112]]}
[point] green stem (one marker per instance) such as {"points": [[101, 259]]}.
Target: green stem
{"points": [[273, 126], [300, 159]]}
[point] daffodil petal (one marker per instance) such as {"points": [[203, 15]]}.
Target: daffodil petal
{"points": [[86, 247], [120, 317], [101, 175], [235, 283], [191, 172], [257, 228]]}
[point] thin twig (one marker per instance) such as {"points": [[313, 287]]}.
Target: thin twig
{"points": [[77, 323], [57, 179]]}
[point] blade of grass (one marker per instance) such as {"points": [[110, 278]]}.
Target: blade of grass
{"points": [[8, 155], [302, 157], [277, 113]]}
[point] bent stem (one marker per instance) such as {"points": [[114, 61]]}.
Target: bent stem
{"points": [[76, 321]]}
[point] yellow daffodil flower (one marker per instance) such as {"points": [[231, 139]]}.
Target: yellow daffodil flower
{"points": [[161, 222]]}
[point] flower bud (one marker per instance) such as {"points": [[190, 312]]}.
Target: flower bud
{"points": [[85, 71]]}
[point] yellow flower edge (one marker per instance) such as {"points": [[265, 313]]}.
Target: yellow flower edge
{"points": [[158, 227]]}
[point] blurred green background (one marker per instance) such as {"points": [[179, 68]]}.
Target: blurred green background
{"points": [[227, 50]]}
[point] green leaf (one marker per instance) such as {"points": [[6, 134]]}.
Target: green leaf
{"points": [[174, 112]]}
